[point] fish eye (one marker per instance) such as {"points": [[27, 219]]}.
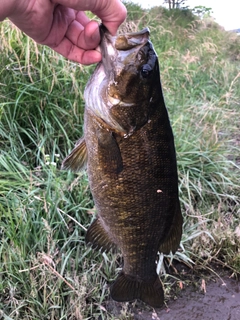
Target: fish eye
{"points": [[146, 71]]}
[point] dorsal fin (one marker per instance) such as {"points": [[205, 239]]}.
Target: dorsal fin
{"points": [[171, 242]]}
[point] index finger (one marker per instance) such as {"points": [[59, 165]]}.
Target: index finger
{"points": [[111, 12]]}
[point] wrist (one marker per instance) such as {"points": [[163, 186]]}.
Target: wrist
{"points": [[7, 8]]}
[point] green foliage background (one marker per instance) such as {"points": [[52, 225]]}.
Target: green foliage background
{"points": [[46, 271]]}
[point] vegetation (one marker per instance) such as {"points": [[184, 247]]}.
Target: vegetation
{"points": [[46, 271]]}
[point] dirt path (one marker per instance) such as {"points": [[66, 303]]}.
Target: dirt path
{"points": [[221, 301]]}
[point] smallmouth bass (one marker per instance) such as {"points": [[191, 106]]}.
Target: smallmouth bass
{"points": [[128, 148]]}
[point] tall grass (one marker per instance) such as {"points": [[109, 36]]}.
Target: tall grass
{"points": [[46, 271]]}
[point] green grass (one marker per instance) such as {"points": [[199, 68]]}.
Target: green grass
{"points": [[46, 271]]}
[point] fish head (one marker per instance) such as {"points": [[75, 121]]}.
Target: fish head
{"points": [[128, 79], [128, 61]]}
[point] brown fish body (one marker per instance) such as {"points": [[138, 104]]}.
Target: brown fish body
{"points": [[131, 165]]}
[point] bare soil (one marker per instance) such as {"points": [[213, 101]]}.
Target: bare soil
{"points": [[220, 301], [212, 298]]}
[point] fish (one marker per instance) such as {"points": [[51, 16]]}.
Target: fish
{"points": [[129, 154]]}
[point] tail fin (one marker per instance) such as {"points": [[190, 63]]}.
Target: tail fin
{"points": [[127, 288]]}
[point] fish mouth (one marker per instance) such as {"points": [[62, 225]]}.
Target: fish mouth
{"points": [[113, 47]]}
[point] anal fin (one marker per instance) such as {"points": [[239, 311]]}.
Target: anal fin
{"points": [[172, 241], [98, 237], [127, 288], [77, 159]]}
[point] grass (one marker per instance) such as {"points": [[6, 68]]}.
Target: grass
{"points": [[46, 271]]}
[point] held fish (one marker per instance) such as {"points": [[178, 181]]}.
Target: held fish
{"points": [[128, 148]]}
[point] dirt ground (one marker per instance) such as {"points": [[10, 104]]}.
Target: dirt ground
{"points": [[216, 299], [221, 301]]}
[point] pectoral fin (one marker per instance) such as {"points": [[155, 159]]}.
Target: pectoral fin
{"points": [[171, 243], [77, 159], [99, 238], [108, 152]]}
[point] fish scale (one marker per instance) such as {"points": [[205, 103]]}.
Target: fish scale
{"points": [[129, 149]]}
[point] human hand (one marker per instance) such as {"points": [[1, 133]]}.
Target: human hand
{"points": [[63, 25]]}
